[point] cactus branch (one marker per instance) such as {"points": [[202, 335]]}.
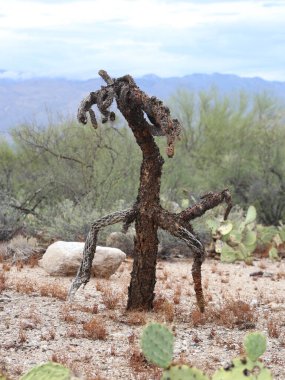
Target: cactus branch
{"points": [[84, 272], [208, 201]]}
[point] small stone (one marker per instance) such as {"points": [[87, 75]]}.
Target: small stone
{"points": [[254, 303]]}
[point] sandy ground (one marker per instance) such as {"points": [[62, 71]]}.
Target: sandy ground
{"points": [[98, 339]]}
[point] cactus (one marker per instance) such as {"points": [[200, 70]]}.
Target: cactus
{"points": [[48, 371], [243, 369], [248, 368], [281, 231], [250, 215], [157, 344], [183, 372], [273, 254], [235, 239], [265, 234], [255, 345]]}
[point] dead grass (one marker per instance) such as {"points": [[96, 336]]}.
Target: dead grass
{"points": [[22, 335], [85, 309], [66, 314], [273, 328], [53, 290], [2, 282], [32, 316], [60, 358], [110, 298], [24, 287], [3, 250], [137, 361], [162, 306], [6, 267], [177, 294], [50, 335], [232, 313], [95, 329], [136, 318]]}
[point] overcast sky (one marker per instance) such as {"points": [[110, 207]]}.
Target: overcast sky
{"points": [[76, 38]]}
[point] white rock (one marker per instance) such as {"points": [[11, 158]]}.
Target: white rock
{"points": [[63, 258]]}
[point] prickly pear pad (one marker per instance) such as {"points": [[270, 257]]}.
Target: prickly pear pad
{"points": [[183, 372], [157, 344], [255, 345], [243, 369], [48, 371]]}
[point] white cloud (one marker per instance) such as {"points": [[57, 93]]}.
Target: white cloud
{"points": [[168, 37]]}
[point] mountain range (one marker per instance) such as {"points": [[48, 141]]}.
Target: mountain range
{"points": [[40, 100]]}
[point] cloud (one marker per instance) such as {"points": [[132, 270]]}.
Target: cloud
{"points": [[167, 37]]}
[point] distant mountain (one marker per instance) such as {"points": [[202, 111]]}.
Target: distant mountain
{"points": [[24, 99]]}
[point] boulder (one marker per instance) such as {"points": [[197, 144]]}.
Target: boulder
{"points": [[63, 258]]}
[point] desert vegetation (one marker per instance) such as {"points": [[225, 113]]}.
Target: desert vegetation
{"points": [[56, 181]]}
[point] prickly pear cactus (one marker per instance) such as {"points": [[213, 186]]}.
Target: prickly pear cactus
{"points": [[157, 344], [273, 254], [183, 372], [235, 239], [48, 371], [255, 345], [248, 368], [265, 234], [281, 231], [243, 369], [250, 215]]}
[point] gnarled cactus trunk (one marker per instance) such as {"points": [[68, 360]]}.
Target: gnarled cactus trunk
{"points": [[147, 212]]}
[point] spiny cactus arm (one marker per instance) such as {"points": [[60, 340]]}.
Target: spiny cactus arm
{"points": [[128, 95], [208, 201], [159, 116], [129, 219], [85, 106], [84, 272], [176, 226]]}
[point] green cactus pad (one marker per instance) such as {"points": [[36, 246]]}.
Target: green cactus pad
{"points": [[243, 368], [273, 253], [255, 345], [228, 254], [251, 215], [281, 232], [266, 233], [225, 228], [213, 224], [157, 344], [249, 238], [183, 372], [235, 237], [218, 246], [48, 371]]}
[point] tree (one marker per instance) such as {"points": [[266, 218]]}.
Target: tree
{"points": [[146, 212]]}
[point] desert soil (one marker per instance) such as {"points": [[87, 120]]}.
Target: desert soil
{"points": [[98, 339]]}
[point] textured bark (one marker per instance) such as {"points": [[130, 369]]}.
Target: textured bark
{"points": [[147, 211]]}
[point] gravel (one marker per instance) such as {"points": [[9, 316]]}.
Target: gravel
{"points": [[36, 328]]}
